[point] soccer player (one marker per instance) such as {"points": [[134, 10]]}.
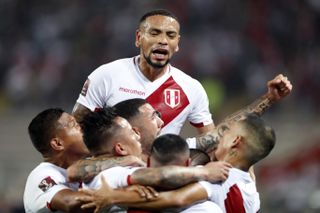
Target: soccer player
{"points": [[150, 76], [242, 143], [171, 149], [57, 136], [105, 133]]}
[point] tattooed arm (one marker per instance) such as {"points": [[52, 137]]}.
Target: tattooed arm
{"points": [[171, 177], [85, 169], [278, 88]]}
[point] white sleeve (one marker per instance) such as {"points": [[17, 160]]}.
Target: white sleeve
{"points": [[41, 189], [116, 177], [200, 114], [95, 91], [192, 143], [213, 190]]}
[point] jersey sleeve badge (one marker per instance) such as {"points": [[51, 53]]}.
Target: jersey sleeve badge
{"points": [[47, 183], [85, 87]]}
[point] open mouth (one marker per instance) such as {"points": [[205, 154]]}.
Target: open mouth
{"points": [[160, 53]]}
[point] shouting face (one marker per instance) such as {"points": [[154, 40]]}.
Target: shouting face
{"points": [[158, 38]]}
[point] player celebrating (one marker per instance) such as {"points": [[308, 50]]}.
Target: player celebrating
{"points": [[177, 96]]}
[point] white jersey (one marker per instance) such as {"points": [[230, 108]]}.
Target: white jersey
{"points": [[177, 96], [204, 207], [42, 184], [237, 194], [116, 177]]}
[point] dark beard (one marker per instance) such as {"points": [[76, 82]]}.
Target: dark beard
{"points": [[154, 65]]}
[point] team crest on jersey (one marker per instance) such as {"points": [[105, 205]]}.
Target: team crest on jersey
{"points": [[172, 97], [46, 184], [85, 87]]}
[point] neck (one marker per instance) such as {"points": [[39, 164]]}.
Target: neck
{"points": [[150, 72], [62, 160], [236, 162], [58, 162]]}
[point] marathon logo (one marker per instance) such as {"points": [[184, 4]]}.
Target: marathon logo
{"points": [[132, 91]]}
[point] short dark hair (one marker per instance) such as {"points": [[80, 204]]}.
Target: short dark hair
{"points": [[129, 108], [98, 128], [260, 138], [198, 157], [162, 12], [42, 128], [169, 148]]}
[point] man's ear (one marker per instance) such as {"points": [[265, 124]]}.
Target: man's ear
{"points": [[120, 149], [236, 141], [138, 37], [56, 144], [176, 49]]}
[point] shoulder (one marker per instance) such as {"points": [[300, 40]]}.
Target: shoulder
{"points": [[180, 76], [112, 68], [47, 171]]}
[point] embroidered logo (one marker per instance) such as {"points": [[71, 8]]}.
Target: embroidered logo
{"points": [[46, 184], [85, 87], [172, 97]]}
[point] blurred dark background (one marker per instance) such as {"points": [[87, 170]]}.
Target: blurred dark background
{"points": [[48, 48]]}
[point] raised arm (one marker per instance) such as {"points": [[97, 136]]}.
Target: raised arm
{"points": [[278, 88], [85, 169], [170, 177]]}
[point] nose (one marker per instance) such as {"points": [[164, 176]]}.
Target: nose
{"points": [[160, 122], [163, 39]]}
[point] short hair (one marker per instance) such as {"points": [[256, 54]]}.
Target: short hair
{"points": [[198, 157], [260, 138], [169, 148], [128, 109], [43, 127], [98, 128], [161, 12]]}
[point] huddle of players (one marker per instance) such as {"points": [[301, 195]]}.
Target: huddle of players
{"points": [[242, 142], [121, 138]]}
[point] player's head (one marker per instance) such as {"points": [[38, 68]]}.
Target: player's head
{"points": [[158, 37], [144, 119], [198, 157], [55, 133], [104, 132], [169, 149], [246, 141]]}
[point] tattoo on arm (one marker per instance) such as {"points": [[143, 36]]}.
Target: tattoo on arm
{"points": [[168, 177], [86, 169], [207, 142], [258, 107]]}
